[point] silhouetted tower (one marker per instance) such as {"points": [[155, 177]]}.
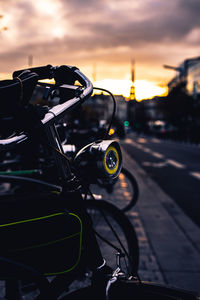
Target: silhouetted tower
{"points": [[132, 91], [131, 99]]}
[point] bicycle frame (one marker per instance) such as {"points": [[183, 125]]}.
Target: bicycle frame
{"points": [[71, 191]]}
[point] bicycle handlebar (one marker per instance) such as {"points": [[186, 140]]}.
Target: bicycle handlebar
{"points": [[58, 111], [61, 74], [43, 72]]}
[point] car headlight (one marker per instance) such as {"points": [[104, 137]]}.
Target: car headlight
{"points": [[101, 159]]}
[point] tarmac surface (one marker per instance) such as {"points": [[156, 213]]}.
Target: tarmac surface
{"points": [[169, 241]]}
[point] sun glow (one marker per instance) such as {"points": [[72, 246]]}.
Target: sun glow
{"points": [[47, 7], [58, 32], [115, 86], [147, 90], [143, 89]]}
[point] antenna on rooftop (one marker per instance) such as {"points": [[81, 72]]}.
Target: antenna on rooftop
{"points": [[132, 70], [172, 68]]}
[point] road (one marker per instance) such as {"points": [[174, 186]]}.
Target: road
{"points": [[174, 166]]}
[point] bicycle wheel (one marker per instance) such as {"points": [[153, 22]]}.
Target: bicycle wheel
{"points": [[131, 290], [146, 291], [123, 193], [114, 234]]}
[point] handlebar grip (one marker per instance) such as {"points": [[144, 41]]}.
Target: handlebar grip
{"points": [[44, 72], [65, 75]]}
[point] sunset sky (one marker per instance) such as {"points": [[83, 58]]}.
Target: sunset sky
{"points": [[102, 35]]}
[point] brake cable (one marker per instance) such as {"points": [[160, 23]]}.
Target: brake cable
{"points": [[113, 230], [114, 109]]}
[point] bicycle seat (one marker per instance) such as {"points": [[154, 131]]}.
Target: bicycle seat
{"points": [[16, 92]]}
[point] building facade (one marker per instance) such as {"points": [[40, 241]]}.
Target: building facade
{"points": [[187, 77]]}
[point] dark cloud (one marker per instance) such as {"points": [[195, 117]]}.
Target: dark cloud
{"points": [[191, 6], [166, 23], [87, 6], [100, 28]]}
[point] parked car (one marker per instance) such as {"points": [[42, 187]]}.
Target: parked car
{"points": [[162, 129]]}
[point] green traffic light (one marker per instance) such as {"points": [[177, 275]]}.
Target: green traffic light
{"points": [[126, 123]]}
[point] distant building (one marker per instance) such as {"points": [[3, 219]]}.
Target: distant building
{"points": [[121, 111], [193, 80], [152, 109], [103, 106], [187, 77]]}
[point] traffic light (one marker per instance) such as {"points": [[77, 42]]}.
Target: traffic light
{"points": [[126, 123]]}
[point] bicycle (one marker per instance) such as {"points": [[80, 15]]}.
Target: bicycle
{"points": [[49, 118], [102, 287], [123, 192]]}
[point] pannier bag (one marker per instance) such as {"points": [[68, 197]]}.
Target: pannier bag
{"points": [[16, 92], [48, 242]]}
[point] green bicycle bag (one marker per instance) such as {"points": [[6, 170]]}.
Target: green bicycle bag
{"points": [[48, 242]]}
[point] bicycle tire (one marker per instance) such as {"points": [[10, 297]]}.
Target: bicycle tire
{"points": [[135, 189], [123, 193], [124, 230], [146, 291], [129, 290]]}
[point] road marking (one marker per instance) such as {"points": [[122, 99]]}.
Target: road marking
{"points": [[155, 165], [129, 141], [157, 155], [175, 164], [147, 150], [154, 140], [139, 146], [142, 140], [195, 174]]}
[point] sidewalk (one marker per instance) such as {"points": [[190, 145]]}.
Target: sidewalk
{"points": [[169, 241]]}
